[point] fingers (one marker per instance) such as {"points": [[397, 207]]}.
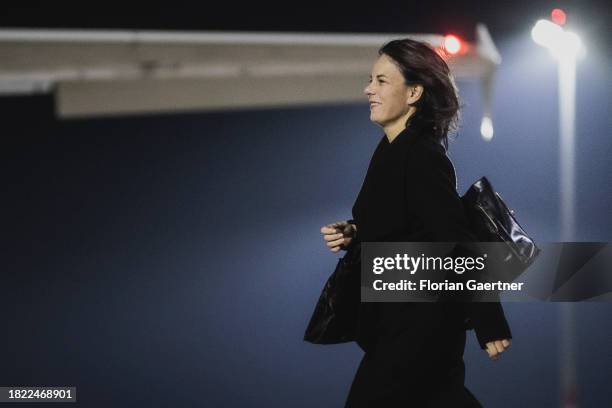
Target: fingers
{"points": [[335, 243], [330, 230], [495, 348], [337, 235], [342, 245], [491, 350], [327, 230], [332, 234], [337, 224], [333, 237]]}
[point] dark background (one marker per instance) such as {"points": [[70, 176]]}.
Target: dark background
{"points": [[174, 260], [385, 16]]}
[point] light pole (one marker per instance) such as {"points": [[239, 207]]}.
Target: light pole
{"points": [[566, 47]]}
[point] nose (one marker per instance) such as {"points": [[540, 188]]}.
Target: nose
{"points": [[368, 90]]}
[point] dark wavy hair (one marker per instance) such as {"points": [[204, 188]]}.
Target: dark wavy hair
{"points": [[438, 107]]}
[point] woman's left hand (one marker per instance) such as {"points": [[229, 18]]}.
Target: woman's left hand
{"points": [[495, 348]]}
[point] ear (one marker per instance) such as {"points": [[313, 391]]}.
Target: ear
{"points": [[414, 94]]}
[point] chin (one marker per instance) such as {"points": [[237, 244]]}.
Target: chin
{"points": [[376, 121]]}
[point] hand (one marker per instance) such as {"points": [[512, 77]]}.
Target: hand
{"points": [[495, 348], [338, 235]]}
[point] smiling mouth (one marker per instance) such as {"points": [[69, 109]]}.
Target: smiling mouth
{"points": [[374, 104]]}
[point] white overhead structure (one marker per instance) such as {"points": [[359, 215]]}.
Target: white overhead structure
{"points": [[95, 73]]}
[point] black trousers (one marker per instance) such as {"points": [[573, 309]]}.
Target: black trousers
{"points": [[419, 366]]}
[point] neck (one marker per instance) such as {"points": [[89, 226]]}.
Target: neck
{"points": [[395, 128]]}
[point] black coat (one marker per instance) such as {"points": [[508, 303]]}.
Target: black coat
{"points": [[414, 351]]}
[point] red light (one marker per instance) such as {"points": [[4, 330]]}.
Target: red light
{"points": [[452, 44], [558, 16]]}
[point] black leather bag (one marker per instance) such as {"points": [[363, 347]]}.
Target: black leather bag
{"points": [[492, 221], [334, 319]]}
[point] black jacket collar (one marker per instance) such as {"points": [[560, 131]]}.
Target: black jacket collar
{"points": [[413, 131]]}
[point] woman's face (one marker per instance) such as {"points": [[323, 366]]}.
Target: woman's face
{"points": [[387, 92]]}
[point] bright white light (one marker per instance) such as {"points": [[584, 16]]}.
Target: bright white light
{"points": [[546, 33], [486, 128], [573, 45], [561, 44], [452, 44], [567, 145]]}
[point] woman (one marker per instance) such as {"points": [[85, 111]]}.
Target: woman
{"points": [[413, 351]]}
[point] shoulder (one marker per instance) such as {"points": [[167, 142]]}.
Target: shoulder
{"points": [[427, 153], [427, 162]]}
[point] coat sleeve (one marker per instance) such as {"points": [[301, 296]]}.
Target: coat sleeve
{"points": [[433, 197]]}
